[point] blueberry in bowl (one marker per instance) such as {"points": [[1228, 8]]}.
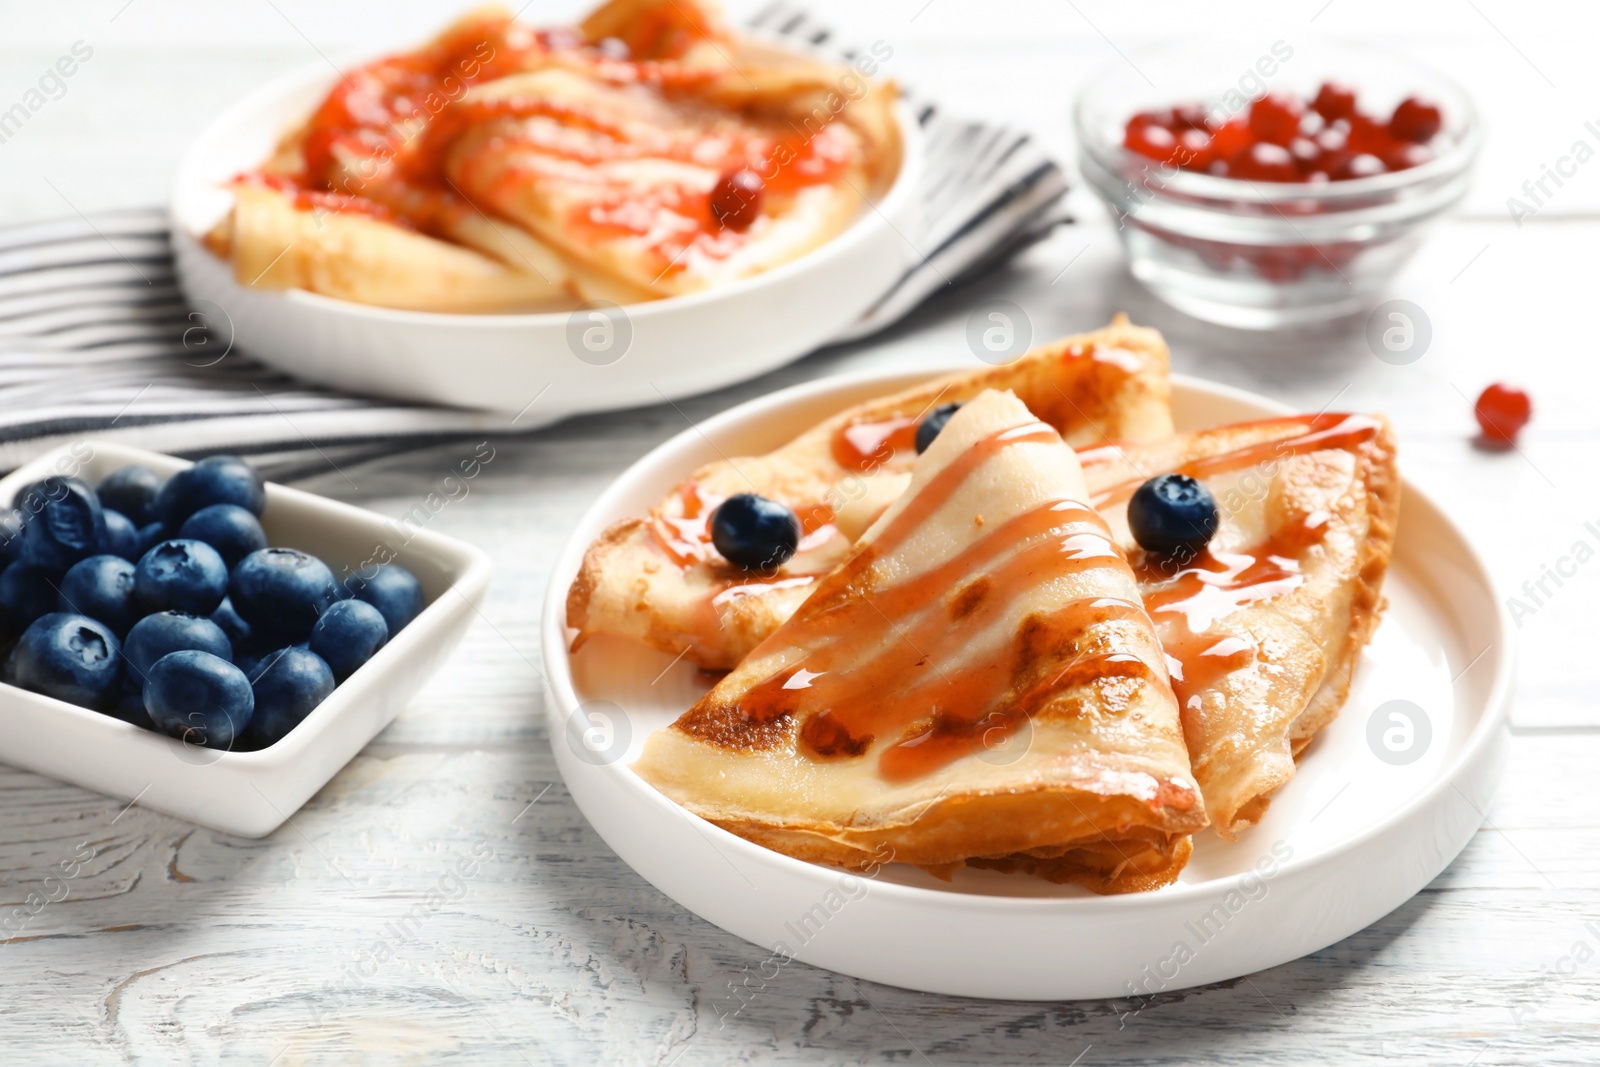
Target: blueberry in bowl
{"points": [[393, 590], [347, 635], [67, 527], [69, 657], [122, 536], [131, 491], [181, 575], [213, 480], [230, 623], [199, 698], [165, 632], [230, 529], [26, 592], [101, 587], [281, 592], [288, 685]]}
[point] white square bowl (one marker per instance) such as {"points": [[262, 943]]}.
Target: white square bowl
{"points": [[251, 793]]}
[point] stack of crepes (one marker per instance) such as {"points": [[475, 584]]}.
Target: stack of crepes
{"points": [[970, 661], [503, 168]]}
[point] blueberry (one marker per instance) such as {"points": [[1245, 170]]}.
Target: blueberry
{"points": [[132, 491], [69, 657], [248, 660], [201, 698], [228, 528], [10, 537], [753, 532], [394, 591], [122, 536], [213, 480], [347, 635], [31, 498], [69, 525], [281, 592], [932, 423], [181, 575], [164, 632], [26, 592], [289, 684], [101, 587], [228, 621], [152, 534], [1172, 515], [127, 704]]}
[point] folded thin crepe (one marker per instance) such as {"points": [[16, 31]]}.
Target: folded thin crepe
{"points": [[976, 683]]}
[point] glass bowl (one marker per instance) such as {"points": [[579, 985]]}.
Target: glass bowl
{"points": [[1263, 255]]}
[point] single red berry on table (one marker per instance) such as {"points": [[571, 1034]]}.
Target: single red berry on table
{"points": [[736, 199], [1334, 101], [1416, 120], [1503, 410], [1276, 118]]}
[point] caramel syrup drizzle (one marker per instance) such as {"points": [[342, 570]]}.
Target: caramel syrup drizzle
{"points": [[1187, 598], [935, 717], [899, 690]]}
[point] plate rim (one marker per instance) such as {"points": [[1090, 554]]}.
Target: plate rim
{"points": [[559, 679]]}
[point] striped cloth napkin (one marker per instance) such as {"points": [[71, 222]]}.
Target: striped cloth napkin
{"points": [[96, 338]]}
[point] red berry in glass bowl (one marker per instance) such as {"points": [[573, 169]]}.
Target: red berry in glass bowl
{"points": [[1416, 120], [736, 199], [1334, 101], [1503, 410], [1306, 154], [1231, 139], [1407, 156], [1264, 162], [1360, 165], [1275, 118], [1194, 150], [1148, 139], [1370, 136]]}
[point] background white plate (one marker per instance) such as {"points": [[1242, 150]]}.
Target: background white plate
{"points": [[678, 346], [251, 793], [1349, 839]]}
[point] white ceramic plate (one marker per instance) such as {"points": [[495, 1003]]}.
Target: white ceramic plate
{"points": [[250, 793], [1351, 838], [665, 349]]}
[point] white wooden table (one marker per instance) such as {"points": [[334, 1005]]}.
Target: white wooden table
{"points": [[175, 945]]}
